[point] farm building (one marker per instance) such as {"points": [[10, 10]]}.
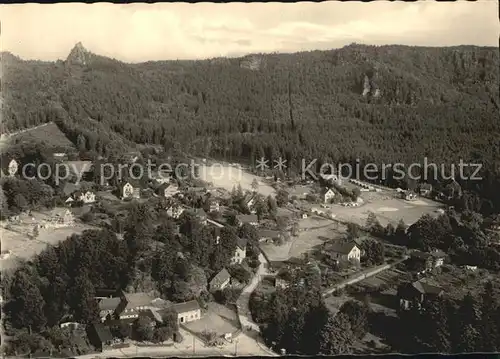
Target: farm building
{"points": [[187, 311]]}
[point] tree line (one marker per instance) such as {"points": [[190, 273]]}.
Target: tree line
{"points": [[440, 104]]}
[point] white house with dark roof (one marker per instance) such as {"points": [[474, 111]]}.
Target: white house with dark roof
{"points": [[187, 311], [214, 205], [252, 219], [344, 251], [128, 191], [240, 252], [87, 197], [13, 167], [107, 307], [415, 293], [328, 195], [220, 281]]}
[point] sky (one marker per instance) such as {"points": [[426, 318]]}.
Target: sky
{"points": [[166, 31]]}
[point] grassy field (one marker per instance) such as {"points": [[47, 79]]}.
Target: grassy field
{"points": [[213, 321], [314, 231], [386, 206], [228, 177], [48, 133], [22, 247]]}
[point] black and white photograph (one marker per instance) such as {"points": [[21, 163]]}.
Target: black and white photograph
{"points": [[249, 179]]}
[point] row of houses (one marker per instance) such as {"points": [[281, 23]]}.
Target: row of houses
{"points": [[127, 307], [117, 308]]}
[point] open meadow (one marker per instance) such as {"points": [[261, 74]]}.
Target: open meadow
{"points": [[390, 210], [16, 239], [313, 231], [218, 319], [228, 177]]}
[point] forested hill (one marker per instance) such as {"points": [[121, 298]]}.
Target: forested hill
{"points": [[440, 103]]}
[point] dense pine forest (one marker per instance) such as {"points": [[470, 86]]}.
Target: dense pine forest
{"points": [[380, 104]]}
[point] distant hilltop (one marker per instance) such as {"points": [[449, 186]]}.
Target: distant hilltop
{"points": [[79, 55]]}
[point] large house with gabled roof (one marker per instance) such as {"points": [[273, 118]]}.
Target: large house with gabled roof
{"points": [[240, 252], [220, 281], [343, 251], [130, 189]]}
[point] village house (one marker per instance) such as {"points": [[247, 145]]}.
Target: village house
{"points": [[84, 197], [240, 252], [214, 205], [328, 195], [107, 307], [269, 235], [249, 201], [252, 219], [281, 283], [132, 303], [127, 307], [128, 191], [283, 277], [167, 190], [68, 189], [423, 262], [344, 251], [13, 167], [200, 215], [470, 268], [87, 197], [217, 228], [99, 336], [452, 190], [409, 195], [415, 293], [61, 217], [187, 311], [425, 189], [220, 281], [175, 211]]}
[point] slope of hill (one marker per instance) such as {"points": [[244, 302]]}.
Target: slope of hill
{"points": [[47, 133], [440, 103]]}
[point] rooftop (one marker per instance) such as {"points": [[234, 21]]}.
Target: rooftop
{"points": [[103, 332], [215, 223], [109, 303], [241, 242], [341, 247], [135, 300], [220, 278], [269, 233], [247, 218], [426, 288], [186, 306]]}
